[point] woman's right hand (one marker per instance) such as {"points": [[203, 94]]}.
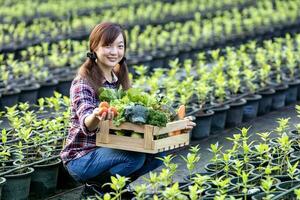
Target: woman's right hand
{"points": [[109, 115]]}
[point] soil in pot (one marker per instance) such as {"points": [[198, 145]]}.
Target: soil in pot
{"points": [[17, 185], [250, 109], [203, 124], [265, 103], [219, 118], [235, 113]]}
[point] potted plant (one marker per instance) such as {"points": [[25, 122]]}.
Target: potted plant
{"points": [[203, 116], [251, 108]]}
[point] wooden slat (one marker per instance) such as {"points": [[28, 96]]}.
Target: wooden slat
{"points": [[103, 135], [127, 143], [171, 141], [128, 126], [148, 137], [171, 126]]}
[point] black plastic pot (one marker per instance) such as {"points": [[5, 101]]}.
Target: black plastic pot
{"points": [[203, 124], [29, 93], [250, 109], [295, 155], [158, 58], [292, 92], [284, 186], [2, 182], [262, 195], [9, 98], [252, 180], [278, 100], [238, 194], [219, 118], [64, 85], [47, 89], [265, 103], [44, 178], [189, 178], [17, 185], [281, 177], [294, 133], [235, 113], [213, 167]]}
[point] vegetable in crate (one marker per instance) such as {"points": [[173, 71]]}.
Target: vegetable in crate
{"points": [[104, 107], [136, 114], [180, 115], [157, 118], [136, 135], [138, 107]]}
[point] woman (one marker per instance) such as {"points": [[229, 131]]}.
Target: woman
{"points": [[104, 67]]}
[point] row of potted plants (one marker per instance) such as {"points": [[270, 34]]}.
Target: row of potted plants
{"points": [[138, 50], [231, 173], [27, 11], [44, 80], [242, 83], [263, 168], [29, 150], [42, 29]]}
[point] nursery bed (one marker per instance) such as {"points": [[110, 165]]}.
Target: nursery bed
{"points": [[260, 124]]}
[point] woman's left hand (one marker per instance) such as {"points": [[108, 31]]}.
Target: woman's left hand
{"points": [[190, 124]]}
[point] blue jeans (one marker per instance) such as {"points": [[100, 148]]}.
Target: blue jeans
{"points": [[124, 163]]}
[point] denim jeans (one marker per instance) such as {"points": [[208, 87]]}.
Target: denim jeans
{"points": [[124, 163]]}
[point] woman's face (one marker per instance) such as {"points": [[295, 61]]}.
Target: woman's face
{"points": [[110, 55]]}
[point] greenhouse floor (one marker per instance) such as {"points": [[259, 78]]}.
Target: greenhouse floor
{"points": [[260, 124]]}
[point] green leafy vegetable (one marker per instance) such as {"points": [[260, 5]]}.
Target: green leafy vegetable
{"points": [[157, 118]]}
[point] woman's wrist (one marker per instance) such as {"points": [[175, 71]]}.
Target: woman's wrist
{"points": [[92, 121]]}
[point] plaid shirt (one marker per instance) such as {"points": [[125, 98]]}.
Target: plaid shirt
{"points": [[84, 100]]}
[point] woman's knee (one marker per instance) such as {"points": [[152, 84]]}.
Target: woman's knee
{"points": [[131, 162], [137, 160]]}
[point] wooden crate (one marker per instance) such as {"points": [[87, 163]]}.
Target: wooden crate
{"points": [[146, 144]]}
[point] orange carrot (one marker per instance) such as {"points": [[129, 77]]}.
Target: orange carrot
{"points": [[181, 112], [178, 132]]}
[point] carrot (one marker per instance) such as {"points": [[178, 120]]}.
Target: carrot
{"points": [[181, 112], [178, 132]]}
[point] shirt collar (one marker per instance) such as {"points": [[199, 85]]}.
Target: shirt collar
{"points": [[114, 78]]}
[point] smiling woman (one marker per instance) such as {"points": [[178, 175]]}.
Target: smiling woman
{"points": [[104, 67]]}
